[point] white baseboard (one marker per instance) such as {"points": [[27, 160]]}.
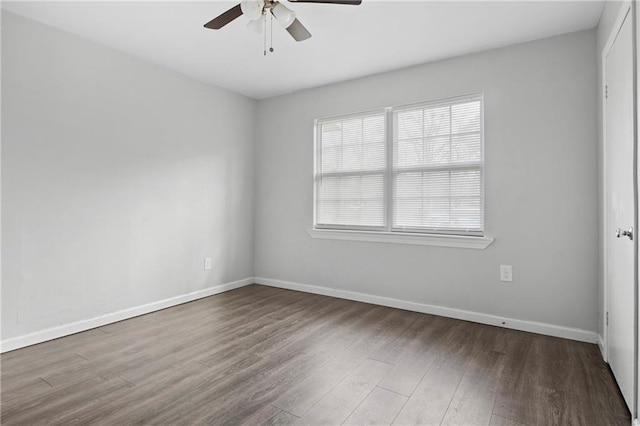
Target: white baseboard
{"points": [[78, 326], [530, 326]]}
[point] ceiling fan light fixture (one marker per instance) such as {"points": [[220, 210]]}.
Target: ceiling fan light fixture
{"points": [[283, 14], [252, 9], [257, 25]]}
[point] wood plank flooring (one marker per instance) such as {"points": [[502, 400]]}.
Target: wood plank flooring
{"points": [[260, 355]]}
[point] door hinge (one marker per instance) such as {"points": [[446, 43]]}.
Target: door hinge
{"points": [[607, 316], [606, 91]]}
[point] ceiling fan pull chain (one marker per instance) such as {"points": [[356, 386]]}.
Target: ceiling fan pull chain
{"points": [[265, 35], [271, 31]]}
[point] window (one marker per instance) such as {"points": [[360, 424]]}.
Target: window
{"points": [[412, 169], [352, 162]]}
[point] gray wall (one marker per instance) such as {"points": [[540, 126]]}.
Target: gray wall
{"points": [[118, 179], [541, 178], [607, 19]]}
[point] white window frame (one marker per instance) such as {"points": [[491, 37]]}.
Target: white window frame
{"points": [[478, 165], [318, 164], [387, 233]]}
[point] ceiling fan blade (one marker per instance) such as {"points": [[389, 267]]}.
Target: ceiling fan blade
{"points": [[298, 31], [225, 18], [352, 2]]}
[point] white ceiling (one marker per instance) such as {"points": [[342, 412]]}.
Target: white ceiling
{"points": [[348, 41]]}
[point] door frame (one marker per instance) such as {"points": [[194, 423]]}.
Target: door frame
{"points": [[635, 31], [628, 8]]}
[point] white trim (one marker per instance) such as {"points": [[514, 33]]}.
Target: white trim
{"points": [[636, 422], [516, 324], [460, 241], [636, 58], [83, 325], [523, 325], [452, 100]]}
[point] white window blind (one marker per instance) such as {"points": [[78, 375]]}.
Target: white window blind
{"points": [[350, 182], [424, 175], [438, 167]]}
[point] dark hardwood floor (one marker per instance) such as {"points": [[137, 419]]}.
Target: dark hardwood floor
{"points": [[259, 355]]}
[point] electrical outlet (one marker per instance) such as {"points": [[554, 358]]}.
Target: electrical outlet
{"points": [[207, 264], [506, 273]]}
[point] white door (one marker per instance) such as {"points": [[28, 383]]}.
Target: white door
{"points": [[620, 211]]}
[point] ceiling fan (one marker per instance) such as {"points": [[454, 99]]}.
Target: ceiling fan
{"points": [[255, 10]]}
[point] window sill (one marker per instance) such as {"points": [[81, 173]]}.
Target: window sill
{"points": [[459, 241]]}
